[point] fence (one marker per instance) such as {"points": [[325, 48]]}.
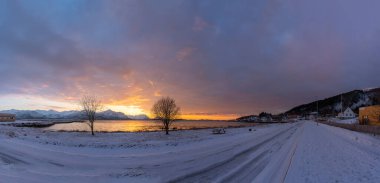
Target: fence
{"points": [[355, 127]]}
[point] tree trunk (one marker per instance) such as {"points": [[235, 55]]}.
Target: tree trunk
{"points": [[92, 128], [166, 126]]}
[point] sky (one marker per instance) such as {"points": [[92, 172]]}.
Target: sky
{"points": [[218, 59]]}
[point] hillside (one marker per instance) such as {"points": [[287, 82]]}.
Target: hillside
{"points": [[332, 105]]}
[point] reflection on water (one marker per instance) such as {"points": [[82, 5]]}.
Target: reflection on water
{"points": [[142, 125]]}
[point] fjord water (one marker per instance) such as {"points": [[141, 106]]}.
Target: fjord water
{"points": [[142, 125]]}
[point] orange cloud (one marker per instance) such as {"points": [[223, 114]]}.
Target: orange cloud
{"points": [[199, 24], [184, 53], [210, 116], [157, 94]]}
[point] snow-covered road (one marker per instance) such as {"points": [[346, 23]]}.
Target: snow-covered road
{"points": [[298, 152], [331, 154]]}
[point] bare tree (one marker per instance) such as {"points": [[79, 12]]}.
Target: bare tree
{"points": [[90, 106], [167, 111]]}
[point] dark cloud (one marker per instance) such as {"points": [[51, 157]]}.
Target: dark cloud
{"points": [[213, 56]]}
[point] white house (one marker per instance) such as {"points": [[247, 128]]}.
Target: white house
{"points": [[7, 117], [252, 118], [348, 113], [312, 116], [266, 119]]}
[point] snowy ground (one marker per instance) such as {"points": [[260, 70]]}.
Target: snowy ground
{"points": [[346, 121], [298, 152]]}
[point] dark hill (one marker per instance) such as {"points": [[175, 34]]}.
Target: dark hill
{"points": [[354, 99], [332, 105]]}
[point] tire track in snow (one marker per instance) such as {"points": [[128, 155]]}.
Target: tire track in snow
{"points": [[291, 158], [250, 170], [8, 159], [208, 174]]}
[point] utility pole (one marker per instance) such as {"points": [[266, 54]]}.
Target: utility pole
{"points": [[317, 106], [341, 103], [317, 109]]}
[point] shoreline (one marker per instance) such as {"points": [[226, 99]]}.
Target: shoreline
{"points": [[153, 131], [251, 124], [37, 124], [46, 124], [135, 141]]}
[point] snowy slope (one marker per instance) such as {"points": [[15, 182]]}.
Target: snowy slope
{"points": [[332, 105], [330, 154], [299, 152]]}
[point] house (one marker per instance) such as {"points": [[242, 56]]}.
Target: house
{"points": [[293, 117], [312, 116], [7, 117], [251, 118], [369, 115], [265, 117], [347, 114], [279, 118]]}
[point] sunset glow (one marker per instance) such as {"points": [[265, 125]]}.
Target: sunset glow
{"points": [[129, 110], [210, 116], [262, 56], [232, 91]]}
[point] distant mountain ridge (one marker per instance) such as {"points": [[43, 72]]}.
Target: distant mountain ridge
{"points": [[332, 105], [52, 114]]}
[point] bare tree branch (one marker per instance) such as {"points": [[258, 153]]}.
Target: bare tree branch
{"points": [[167, 111], [90, 106]]}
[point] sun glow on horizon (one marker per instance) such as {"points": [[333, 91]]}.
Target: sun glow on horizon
{"points": [[28, 102], [209, 116], [128, 110]]}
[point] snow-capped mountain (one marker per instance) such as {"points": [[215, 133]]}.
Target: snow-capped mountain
{"points": [[109, 114], [52, 114], [138, 117]]}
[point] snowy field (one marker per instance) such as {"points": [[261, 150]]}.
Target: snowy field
{"points": [[298, 152], [345, 121]]}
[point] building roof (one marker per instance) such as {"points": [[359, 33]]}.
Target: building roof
{"points": [[349, 110], [6, 115], [372, 106]]}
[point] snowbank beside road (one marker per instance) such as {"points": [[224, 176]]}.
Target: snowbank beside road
{"points": [[346, 121], [331, 154], [294, 152], [39, 156]]}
